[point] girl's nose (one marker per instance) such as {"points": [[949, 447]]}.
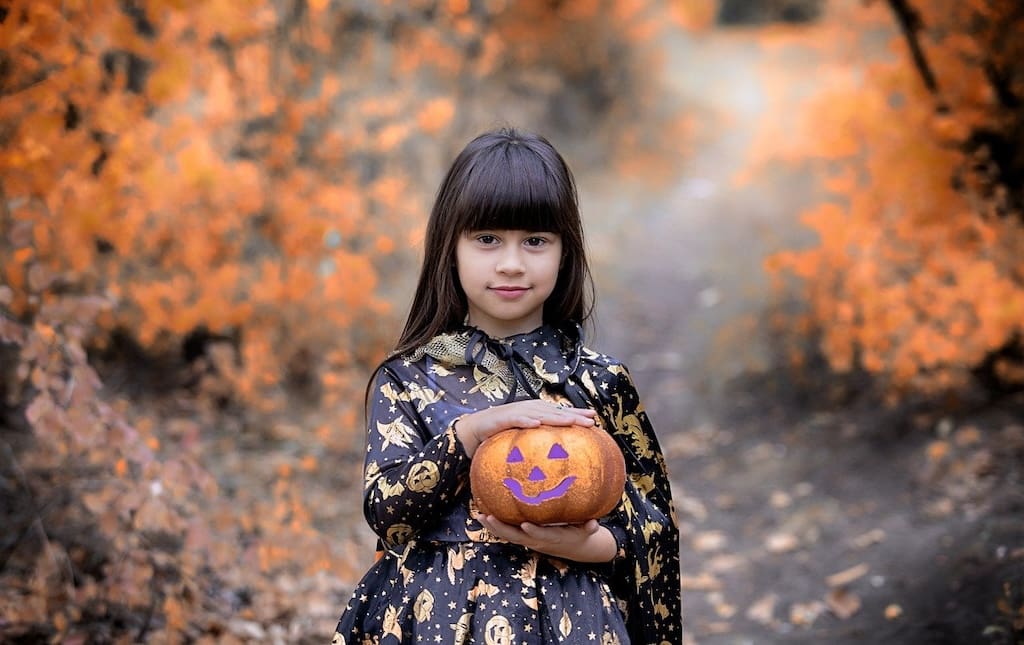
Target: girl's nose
{"points": [[511, 261]]}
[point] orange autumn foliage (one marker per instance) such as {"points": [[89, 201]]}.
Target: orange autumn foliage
{"points": [[918, 275], [250, 173]]}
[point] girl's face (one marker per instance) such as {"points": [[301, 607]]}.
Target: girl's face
{"points": [[507, 275]]}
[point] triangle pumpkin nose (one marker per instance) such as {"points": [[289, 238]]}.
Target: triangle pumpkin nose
{"points": [[537, 474]]}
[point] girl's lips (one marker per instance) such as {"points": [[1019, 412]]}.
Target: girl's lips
{"points": [[509, 292]]}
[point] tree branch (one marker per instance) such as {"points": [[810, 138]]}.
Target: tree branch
{"points": [[910, 23], [999, 79]]}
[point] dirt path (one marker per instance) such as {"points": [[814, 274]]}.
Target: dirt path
{"points": [[806, 526]]}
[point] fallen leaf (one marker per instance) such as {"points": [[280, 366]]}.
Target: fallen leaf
{"points": [[703, 582], [805, 613], [763, 610], [967, 436], [709, 541], [847, 575], [937, 451], [864, 540], [693, 507], [781, 542], [717, 627], [939, 508], [722, 608], [726, 562], [843, 603]]}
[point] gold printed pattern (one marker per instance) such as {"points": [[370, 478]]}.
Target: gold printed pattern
{"points": [[422, 396], [462, 633], [490, 385], [423, 606], [499, 631], [391, 625], [423, 477], [538, 368], [565, 624], [396, 433]]}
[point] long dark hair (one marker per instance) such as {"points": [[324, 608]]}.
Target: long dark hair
{"points": [[503, 179]]}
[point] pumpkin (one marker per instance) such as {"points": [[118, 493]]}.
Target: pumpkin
{"points": [[547, 474]]}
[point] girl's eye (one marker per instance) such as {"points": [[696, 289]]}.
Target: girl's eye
{"points": [[486, 239], [536, 241]]}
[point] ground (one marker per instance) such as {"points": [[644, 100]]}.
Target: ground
{"points": [[851, 525]]}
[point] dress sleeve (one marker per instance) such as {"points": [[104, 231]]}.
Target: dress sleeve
{"points": [[411, 477], [648, 574]]}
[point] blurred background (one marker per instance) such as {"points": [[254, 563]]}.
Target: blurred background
{"points": [[805, 226]]}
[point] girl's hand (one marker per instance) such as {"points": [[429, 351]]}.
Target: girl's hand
{"points": [[588, 542], [474, 428]]}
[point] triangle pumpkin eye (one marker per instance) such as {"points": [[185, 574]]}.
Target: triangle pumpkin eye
{"points": [[514, 456], [557, 452]]}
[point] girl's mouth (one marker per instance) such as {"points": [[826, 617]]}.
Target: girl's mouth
{"points": [[509, 292]]}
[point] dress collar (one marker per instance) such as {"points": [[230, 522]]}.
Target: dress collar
{"points": [[548, 354]]}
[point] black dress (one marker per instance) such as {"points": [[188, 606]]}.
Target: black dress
{"points": [[441, 577]]}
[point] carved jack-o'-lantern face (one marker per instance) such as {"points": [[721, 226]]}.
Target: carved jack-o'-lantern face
{"points": [[540, 488], [548, 474]]}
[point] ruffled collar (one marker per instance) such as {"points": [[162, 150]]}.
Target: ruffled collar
{"points": [[548, 354]]}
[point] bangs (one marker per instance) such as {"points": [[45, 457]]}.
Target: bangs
{"points": [[511, 187]]}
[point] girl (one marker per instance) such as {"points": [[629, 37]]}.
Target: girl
{"points": [[493, 341]]}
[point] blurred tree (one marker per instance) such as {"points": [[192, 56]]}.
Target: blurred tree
{"points": [[919, 275], [214, 202]]}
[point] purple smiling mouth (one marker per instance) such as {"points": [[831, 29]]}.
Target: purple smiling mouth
{"points": [[543, 496]]}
